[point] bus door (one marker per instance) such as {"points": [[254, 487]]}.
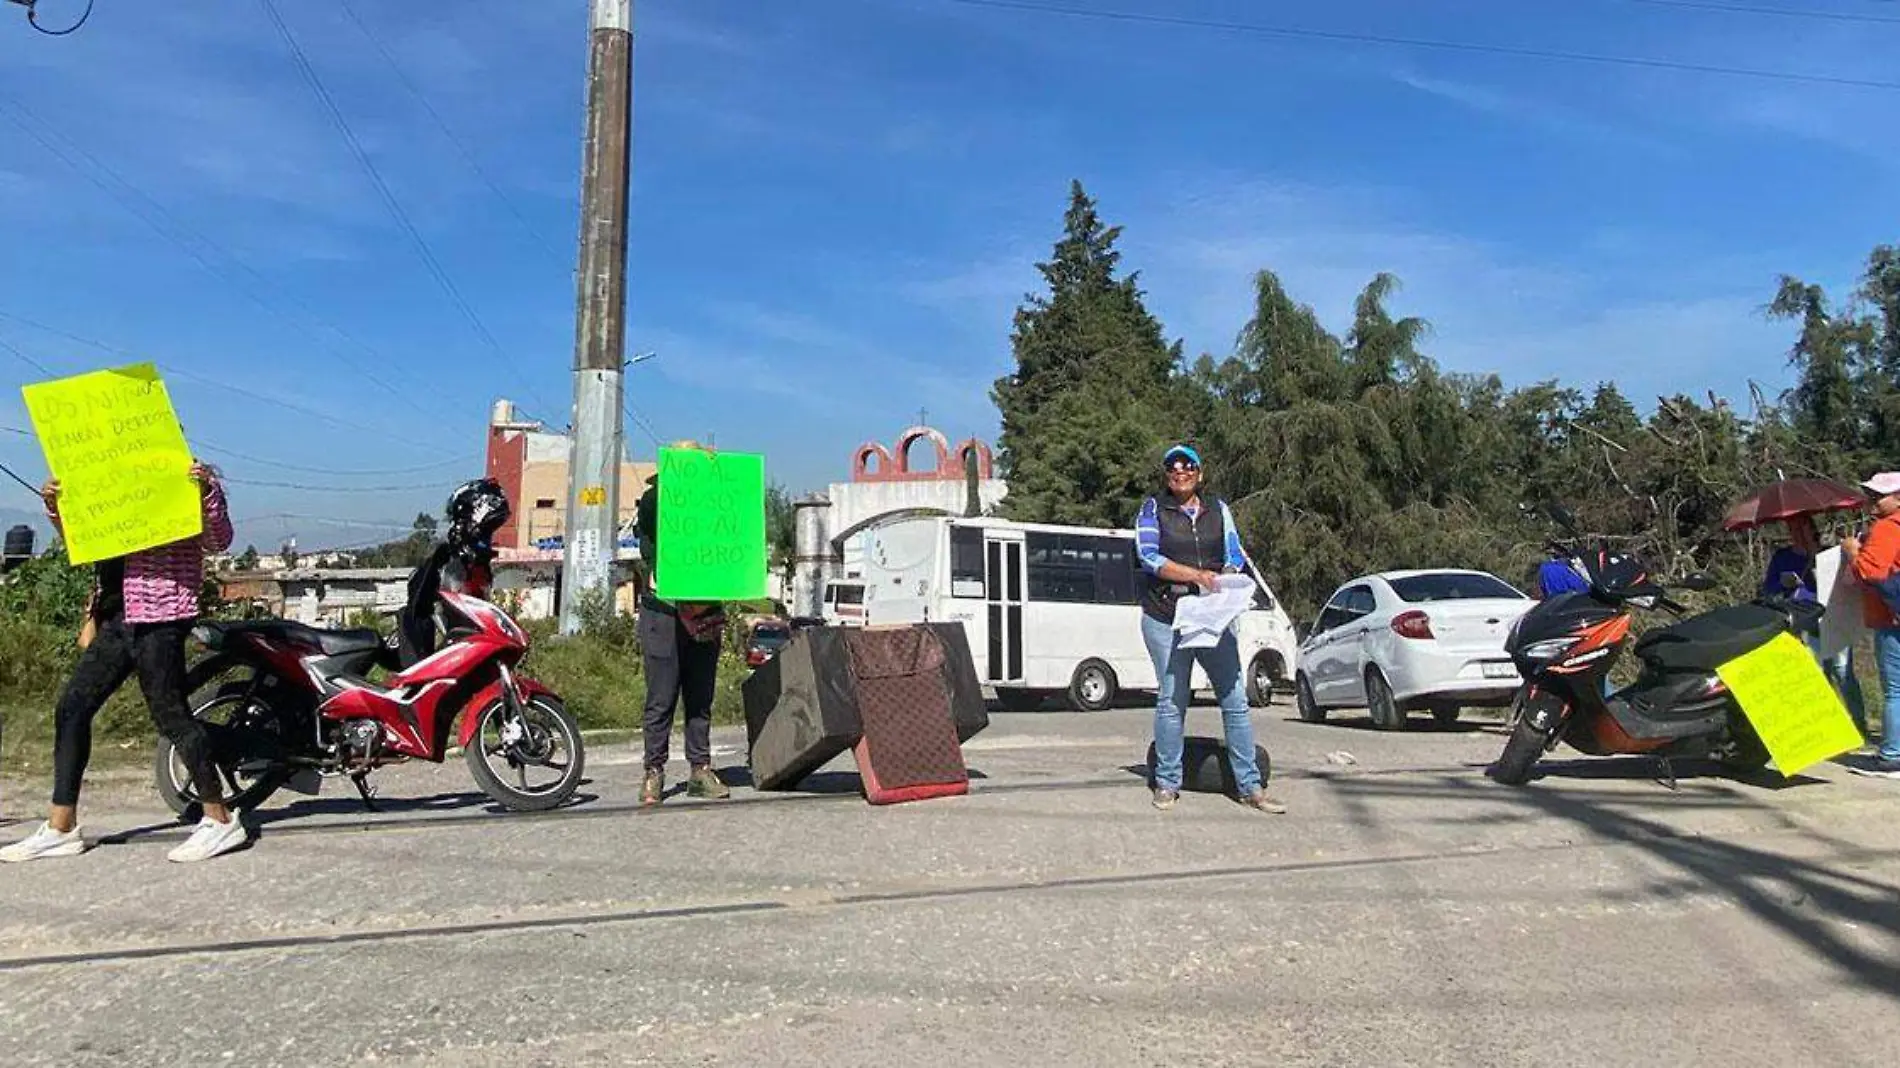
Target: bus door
{"points": [[1003, 594]]}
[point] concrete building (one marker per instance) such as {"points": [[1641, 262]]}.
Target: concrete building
{"points": [[324, 597], [530, 463], [829, 541]]}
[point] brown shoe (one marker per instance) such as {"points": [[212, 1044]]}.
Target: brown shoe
{"points": [[705, 783], [1260, 800], [653, 790]]}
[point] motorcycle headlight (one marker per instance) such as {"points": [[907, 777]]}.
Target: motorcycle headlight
{"points": [[1545, 651]]}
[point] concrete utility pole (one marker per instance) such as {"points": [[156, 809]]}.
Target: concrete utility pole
{"points": [[595, 451]]}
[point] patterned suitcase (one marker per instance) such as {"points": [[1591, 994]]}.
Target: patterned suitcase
{"points": [[910, 748]]}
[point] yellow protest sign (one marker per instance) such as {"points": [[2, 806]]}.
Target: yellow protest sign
{"points": [[1791, 704], [114, 443]]}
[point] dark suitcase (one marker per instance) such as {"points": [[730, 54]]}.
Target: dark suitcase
{"points": [[801, 709]]}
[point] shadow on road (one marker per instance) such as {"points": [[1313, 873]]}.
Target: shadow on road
{"points": [[1810, 901]]}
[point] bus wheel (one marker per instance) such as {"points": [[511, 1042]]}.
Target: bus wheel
{"points": [[1093, 687], [1262, 675]]}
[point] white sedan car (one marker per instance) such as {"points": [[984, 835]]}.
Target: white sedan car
{"points": [[1408, 640]]}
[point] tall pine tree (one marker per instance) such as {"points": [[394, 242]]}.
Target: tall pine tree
{"points": [[1094, 395]]}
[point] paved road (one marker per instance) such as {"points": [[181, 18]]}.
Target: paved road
{"points": [[1407, 911]]}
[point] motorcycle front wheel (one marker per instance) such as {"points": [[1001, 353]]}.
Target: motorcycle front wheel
{"points": [[545, 738], [1522, 751]]}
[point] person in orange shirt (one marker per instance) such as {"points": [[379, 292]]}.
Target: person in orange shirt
{"points": [[1873, 560]]}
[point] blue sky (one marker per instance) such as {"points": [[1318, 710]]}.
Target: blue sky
{"points": [[838, 203]]}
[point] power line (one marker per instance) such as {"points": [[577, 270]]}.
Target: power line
{"points": [[30, 486], [324, 520], [1784, 12], [174, 369], [390, 202], [30, 361], [371, 473], [169, 227], [1301, 33], [333, 489], [441, 124], [640, 421]]}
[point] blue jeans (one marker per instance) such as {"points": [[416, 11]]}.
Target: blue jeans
{"points": [[1887, 651], [1839, 670], [1174, 683]]}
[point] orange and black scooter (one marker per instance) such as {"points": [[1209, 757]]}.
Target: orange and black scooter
{"points": [[1677, 707]]}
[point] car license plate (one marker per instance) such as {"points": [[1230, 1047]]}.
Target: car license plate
{"points": [[1499, 671]]}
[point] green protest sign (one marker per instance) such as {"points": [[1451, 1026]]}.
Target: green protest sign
{"points": [[711, 522]]}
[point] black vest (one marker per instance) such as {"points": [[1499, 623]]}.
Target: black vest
{"points": [[1200, 543]]}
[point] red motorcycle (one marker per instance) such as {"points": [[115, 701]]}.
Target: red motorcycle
{"points": [[289, 705]]}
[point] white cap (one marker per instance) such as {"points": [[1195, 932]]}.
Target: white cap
{"points": [[1884, 484]]}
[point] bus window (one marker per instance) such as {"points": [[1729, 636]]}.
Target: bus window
{"points": [[966, 562], [1061, 569], [1114, 571]]}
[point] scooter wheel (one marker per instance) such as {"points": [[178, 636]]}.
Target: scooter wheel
{"points": [[1520, 754], [1744, 751]]}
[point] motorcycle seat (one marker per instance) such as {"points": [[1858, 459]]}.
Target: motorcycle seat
{"points": [[331, 642], [1706, 642]]}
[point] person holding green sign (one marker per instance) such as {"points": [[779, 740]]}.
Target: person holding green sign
{"points": [[143, 606], [679, 643]]}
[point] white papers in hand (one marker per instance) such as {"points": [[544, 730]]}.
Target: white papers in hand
{"points": [[1199, 621], [1840, 594]]}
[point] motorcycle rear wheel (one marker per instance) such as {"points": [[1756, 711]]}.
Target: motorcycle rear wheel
{"points": [[1744, 751], [171, 778], [550, 725]]}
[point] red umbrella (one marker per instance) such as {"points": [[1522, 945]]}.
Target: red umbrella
{"points": [[1792, 497]]}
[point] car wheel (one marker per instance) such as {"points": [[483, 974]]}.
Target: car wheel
{"points": [[1310, 711], [1262, 676], [1386, 713], [1093, 686]]}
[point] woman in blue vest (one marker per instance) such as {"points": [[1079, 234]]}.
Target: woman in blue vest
{"points": [[1185, 541]]}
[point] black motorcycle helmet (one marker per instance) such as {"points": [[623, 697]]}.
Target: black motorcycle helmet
{"points": [[475, 511]]}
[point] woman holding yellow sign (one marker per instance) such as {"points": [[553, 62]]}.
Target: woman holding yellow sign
{"points": [[143, 606]]}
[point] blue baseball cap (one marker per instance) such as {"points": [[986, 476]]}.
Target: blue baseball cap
{"points": [[1185, 452]]}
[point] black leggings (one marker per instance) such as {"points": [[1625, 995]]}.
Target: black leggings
{"points": [[156, 652]]}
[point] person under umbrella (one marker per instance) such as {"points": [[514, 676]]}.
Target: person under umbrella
{"points": [[1797, 559]]}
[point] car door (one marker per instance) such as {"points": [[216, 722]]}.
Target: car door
{"points": [[1350, 652], [1319, 653]]}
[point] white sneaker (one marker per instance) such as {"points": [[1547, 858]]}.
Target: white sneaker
{"points": [[211, 839], [45, 842]]}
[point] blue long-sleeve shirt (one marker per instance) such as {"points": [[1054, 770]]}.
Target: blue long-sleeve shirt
{"points": [[1789, 560], [1148, 537]]}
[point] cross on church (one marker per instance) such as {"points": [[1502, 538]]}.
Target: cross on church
{"points": [[923, 417]]}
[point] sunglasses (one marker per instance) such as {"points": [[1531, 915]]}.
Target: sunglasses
{"points": [[1180, 466]]}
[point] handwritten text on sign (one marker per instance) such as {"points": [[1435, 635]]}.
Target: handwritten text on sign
{"points": [[711, 526], [1790, 704], [113, 442]]}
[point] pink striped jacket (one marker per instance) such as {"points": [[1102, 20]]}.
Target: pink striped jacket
{"points": [[162, 584]]}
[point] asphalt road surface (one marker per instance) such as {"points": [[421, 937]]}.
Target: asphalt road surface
{"points": [[1407, 911]]}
